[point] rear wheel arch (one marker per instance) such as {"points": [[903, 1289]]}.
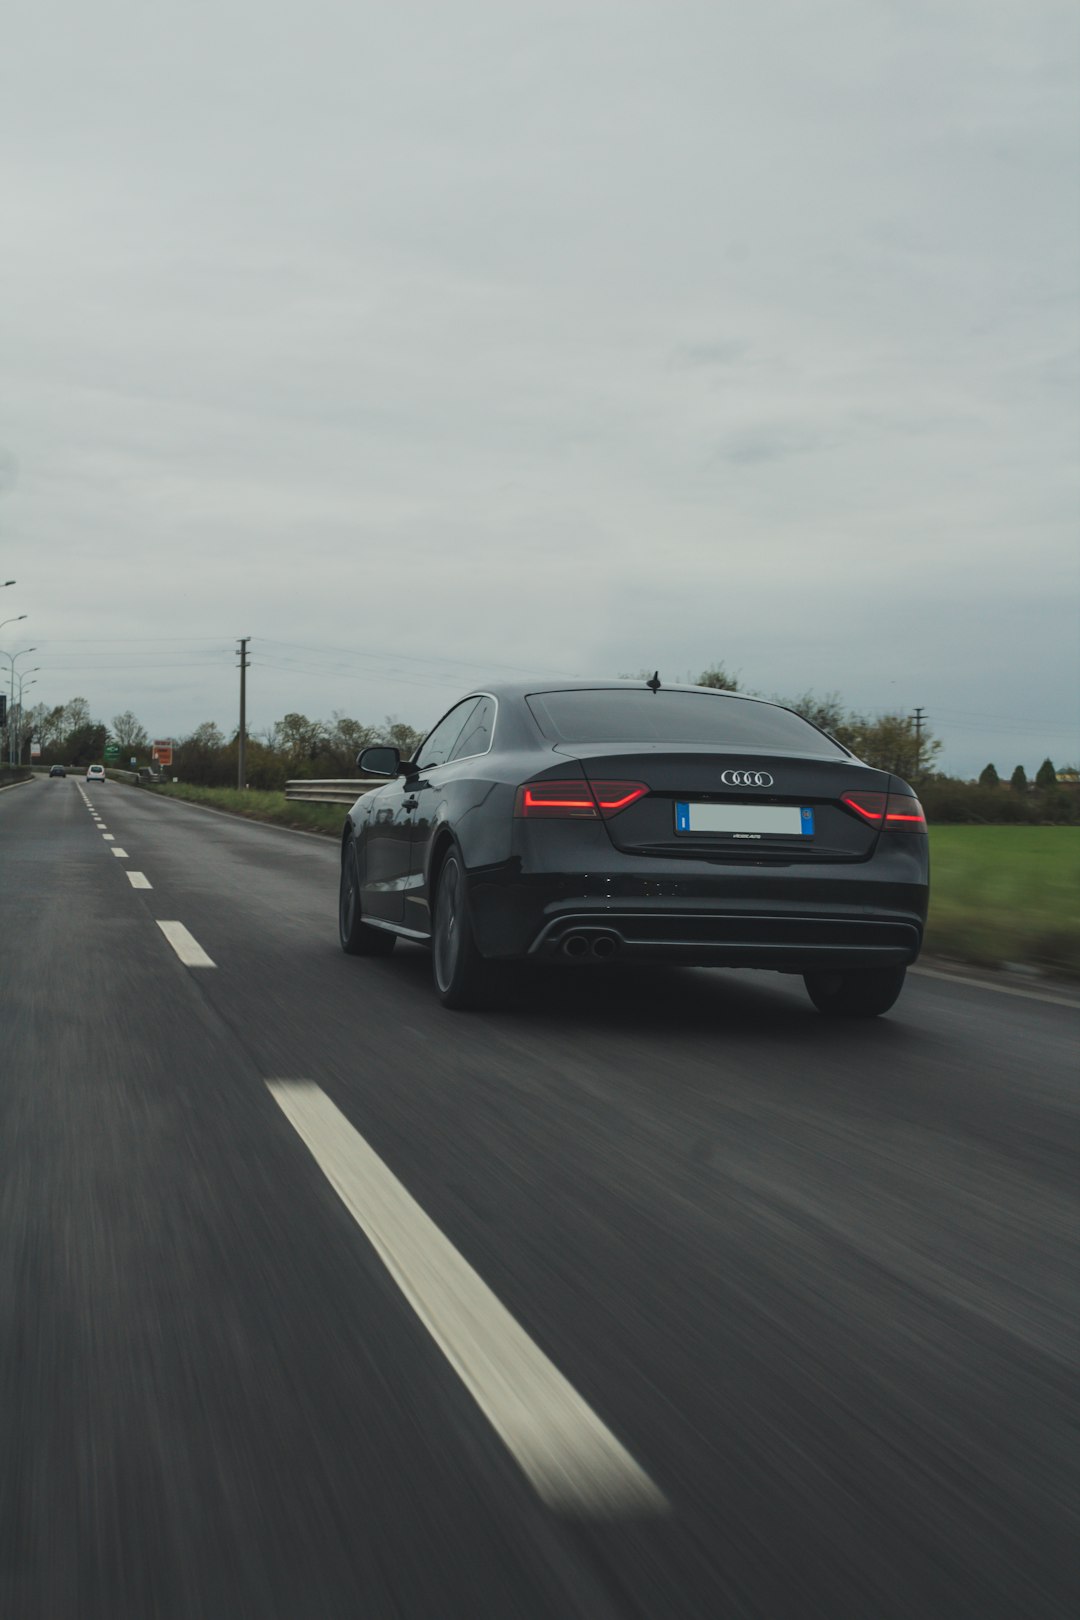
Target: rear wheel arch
{"points": [[461, 976], [444, 842]]}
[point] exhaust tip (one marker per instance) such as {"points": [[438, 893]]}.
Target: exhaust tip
{"points": [[575, 945], [604, 947]]}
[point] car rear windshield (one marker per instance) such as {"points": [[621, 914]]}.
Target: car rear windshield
{"points": [[630, 716]]}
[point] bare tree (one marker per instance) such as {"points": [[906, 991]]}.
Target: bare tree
{"points": [[76, 714], [718, 678], [129, 733], [401, 736]]}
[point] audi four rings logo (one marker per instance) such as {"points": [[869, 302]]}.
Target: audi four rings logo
{"points": [[747, 779]]}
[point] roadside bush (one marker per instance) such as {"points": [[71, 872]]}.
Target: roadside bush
{"points": [[947, 799]]}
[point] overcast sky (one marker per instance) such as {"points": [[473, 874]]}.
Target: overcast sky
{"points": [[420, 342]]}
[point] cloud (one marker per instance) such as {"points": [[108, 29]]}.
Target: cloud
{"points": [[719, 353], [751, 446], [550, 333]]}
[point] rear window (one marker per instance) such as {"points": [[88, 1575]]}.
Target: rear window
{"points": [[629, 715]]}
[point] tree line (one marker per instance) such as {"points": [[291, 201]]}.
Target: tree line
{"points": [[292, 747], [296, 747], [894, 742]]}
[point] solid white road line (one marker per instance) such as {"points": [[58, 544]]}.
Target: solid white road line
{"points": [[574, 1462], [123, 854], [139, 881], [998, 989], [185, 945]]}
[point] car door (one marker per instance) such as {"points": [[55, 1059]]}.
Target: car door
{"points": [[388, 838], [434, 793]]}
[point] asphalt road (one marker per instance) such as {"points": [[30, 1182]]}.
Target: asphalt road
{"points": [[746, 1313]]}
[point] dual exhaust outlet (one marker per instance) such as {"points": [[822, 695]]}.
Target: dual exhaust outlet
{"points": [[596, 947]]}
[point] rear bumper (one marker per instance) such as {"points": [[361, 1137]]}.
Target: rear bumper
{"points": [[780, 917], [784, 944]]}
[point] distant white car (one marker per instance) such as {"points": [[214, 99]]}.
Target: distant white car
{"points": [[95, 773]]}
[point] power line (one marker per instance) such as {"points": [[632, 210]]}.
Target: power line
{"points": [[154, 641], [96, 669], [295, 668], [381, 654]]}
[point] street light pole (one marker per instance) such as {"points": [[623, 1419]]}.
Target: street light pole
{"points": [[23, 682], [23, 652]]}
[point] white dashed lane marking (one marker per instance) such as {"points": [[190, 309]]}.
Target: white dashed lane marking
{"points": [[139, 881], [572, 1460], [123, 854], [185, 945], [109, 837]]}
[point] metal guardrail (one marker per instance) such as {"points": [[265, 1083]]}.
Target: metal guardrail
{"points": [[340, 791]]}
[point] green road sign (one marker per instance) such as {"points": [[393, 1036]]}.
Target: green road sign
{"points": [[112, 750]]}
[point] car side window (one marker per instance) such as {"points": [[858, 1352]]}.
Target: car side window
{"points": [[438, 747], [476, 734]]}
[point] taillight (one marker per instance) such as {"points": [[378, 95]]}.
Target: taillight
{"points": [[905, 813], [867, 806], [899, 810], [615, 796], [558, 801]]}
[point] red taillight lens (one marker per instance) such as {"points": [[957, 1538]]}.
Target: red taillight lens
{"points": [[558, 801], [867, 806], [615, 796], [904, 812], [899, 810]]}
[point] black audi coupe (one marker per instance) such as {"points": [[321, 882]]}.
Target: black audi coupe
{"points": [[598, 822]]}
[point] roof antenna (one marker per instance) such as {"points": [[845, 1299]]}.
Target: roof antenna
{"points": [[654, 684]]}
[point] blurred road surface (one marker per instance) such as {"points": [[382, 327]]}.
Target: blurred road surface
{"points": [[659, 1297]]}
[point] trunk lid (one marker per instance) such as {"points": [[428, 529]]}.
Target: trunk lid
{"points": [[694, 775]]}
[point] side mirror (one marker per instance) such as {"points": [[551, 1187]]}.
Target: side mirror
{"points": [[379, 761]]}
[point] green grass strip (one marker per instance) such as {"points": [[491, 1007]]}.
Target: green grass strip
{"points": [[271, 807], [1006, 894]]}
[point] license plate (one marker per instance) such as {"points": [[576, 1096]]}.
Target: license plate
{"points": [[746, 820]]}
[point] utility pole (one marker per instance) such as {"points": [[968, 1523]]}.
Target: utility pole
{"points": [[918, 717], [241, 762]]}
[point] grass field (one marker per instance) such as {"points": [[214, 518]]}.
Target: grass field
{"points": [[1006, 894], [998, 894], [273, 807]]}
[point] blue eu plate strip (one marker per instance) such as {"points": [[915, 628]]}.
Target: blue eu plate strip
{"points": [[682, 818], [807, 822]]}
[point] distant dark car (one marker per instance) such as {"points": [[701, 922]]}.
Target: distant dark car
{"points": [[585, 823], [57, 770]]}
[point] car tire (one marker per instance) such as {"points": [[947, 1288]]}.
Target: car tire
{"points": [[358, 938], [858, 993], [462, 977]]}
